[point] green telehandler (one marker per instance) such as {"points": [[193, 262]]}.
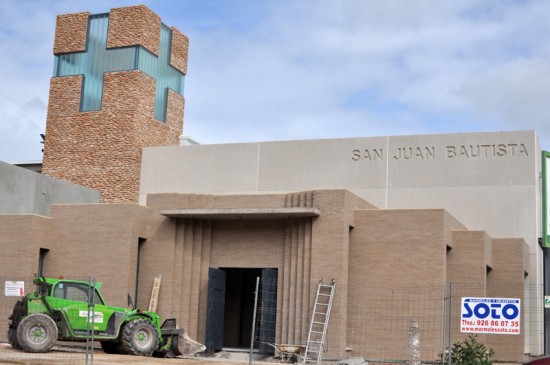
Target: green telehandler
{"points": [[71, 310]]}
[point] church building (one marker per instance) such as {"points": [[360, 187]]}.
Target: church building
{"points": [[385, 218]]}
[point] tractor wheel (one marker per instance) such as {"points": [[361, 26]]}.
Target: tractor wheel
{"points": [[18, 313], [37, 333], [112, 347], [12, 338], [140, 337]]}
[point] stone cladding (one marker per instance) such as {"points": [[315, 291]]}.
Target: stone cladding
{"points": [[134, 26], [70, 33], [102, 149], [180, 49]]}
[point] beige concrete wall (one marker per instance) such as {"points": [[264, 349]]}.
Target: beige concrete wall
{"points": [[26, 192], [488, 181]]}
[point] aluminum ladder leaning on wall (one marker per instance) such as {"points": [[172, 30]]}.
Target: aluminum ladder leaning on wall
{"points": [[319, 323]]}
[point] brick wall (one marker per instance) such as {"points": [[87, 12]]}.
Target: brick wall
{"points": [[98, 241], [303, 251], [469, 258], [506, 280], [20, 242], [180, 50], [70, 33], [389, 245], [480, 266], [392, 252], [372, 254], [134, 26]]}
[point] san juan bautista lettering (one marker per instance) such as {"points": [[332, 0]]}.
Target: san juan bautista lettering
{"points": [[487, 150], [372, 154], [407, 153], [448, 152]]}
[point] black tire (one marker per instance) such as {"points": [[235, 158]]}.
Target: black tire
{"points": [[18, 313], [37, 333], [140, 337], [112, 347], [12, 338]]}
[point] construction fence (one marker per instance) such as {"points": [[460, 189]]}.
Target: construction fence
{"points": [[400, 325], [374, 325]]}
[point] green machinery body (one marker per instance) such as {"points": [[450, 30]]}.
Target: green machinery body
{"points": [[75, 310]]}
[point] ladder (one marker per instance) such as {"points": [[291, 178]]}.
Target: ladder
{"points": [[319, 323]]}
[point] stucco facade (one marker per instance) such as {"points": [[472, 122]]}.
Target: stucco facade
{"points": [[26, 192]]}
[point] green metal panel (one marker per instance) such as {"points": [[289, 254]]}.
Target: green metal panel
{"points": [[545, 195], [159, 68]]}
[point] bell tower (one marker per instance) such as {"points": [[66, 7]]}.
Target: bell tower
{"points": [[117, 87]]}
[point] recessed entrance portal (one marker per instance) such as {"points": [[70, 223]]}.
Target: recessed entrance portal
{"points": [[239, 306], [231, 308]]}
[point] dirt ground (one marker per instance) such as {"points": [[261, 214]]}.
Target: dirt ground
{"points": [[76, 356]]}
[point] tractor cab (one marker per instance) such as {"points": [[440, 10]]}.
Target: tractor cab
{"points": [[80, 291]]}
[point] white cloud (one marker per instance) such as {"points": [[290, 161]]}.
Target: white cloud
{"points": [[284, 69], [513, 94]]}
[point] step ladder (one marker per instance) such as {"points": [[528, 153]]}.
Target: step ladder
{"points": [[319, 323]]}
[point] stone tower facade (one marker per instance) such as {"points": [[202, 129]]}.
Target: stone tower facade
{"points": [[117, 87]]}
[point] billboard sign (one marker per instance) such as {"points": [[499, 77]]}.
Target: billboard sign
{"points": [[490, 315]]}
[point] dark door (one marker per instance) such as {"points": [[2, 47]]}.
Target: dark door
{"points": [[215, 309], [268, 302]]}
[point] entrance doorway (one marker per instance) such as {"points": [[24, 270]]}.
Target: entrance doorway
{"points": [[239, 306], [230, 308]]}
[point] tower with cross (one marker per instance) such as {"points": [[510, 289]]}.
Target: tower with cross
{"points": [[117, 87]]}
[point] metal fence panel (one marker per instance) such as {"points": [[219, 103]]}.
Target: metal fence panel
{"points": [[397, 325]]}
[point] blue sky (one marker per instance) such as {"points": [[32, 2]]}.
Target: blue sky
{"points": [[287, 69]]}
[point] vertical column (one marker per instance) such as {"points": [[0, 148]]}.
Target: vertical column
{"points": [[203, 280], [178, 288], [295, 297]]}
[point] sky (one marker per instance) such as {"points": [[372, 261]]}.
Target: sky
{"points": [[269, 70]]}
